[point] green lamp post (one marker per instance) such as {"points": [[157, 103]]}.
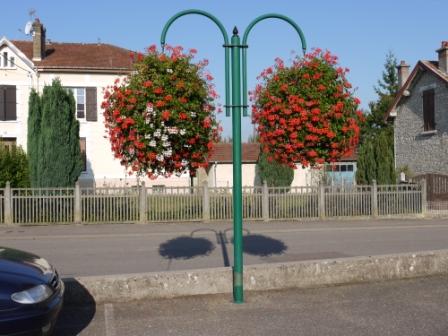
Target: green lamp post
{"points": [[238, 50]]}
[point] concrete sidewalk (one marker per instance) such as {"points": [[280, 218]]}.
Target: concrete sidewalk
{"points": [[416, 307], [91, 250]]}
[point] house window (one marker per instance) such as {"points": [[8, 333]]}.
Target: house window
{"points": [[5, 59], [82, 147], [80, 99], [8, 104], [428, 110], [339, 167], [8, 143]]}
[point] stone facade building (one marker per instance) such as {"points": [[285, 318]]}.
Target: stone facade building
{"points": [[420, 115]]}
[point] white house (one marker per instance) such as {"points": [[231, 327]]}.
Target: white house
{"points": [[220, 171], [86, 69]]}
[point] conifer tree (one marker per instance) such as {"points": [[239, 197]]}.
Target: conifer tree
{"points": [[60, 162], [33, 140], [376, 152]]}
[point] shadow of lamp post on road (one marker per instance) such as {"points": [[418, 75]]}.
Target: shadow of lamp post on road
{"points": [[189, 247]]}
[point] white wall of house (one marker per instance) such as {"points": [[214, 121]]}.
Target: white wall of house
{"points": [[23, 77], [302, 177], [221, 174]]}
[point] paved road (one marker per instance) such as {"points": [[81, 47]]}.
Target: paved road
{"points": [[406, 307], [115, 249]]}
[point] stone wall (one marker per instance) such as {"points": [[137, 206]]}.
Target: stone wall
{"points": [[422, 152]]}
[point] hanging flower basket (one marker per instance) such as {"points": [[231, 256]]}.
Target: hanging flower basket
{"points": [[160, 120], [306, 113]]}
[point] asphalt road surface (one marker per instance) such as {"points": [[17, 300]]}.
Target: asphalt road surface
{"points": [[417, 307], [78, 250]]}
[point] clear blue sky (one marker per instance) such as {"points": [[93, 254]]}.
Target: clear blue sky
{"points": [[359, 32]]}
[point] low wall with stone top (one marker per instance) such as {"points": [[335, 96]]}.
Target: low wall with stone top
{"points": [[303, 274]]}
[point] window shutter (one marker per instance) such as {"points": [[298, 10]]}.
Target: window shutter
{"points": [[2, 103], [428, 110], [91, 106], [10, 103]]}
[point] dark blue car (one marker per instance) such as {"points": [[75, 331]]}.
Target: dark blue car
{"points": [[31, 294]]}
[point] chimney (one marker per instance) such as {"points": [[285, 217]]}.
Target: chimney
{"points": [[403, 73], [38, 41], [443, 57]]}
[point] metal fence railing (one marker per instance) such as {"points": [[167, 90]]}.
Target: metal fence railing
{"points": [[174, 204], [293, 202], [221, 205], [402, 199], [109, 205], [344, 201], [177, 204], [41, 206]]}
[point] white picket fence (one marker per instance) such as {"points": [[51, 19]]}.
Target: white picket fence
{"points": [[180, 204]]}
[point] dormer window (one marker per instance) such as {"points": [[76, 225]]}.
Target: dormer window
{"points": [[6, 61]]}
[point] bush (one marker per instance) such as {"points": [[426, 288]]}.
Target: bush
{"points": [[14, 167], [274, 173]]}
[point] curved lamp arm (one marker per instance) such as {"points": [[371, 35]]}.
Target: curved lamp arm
{"points": [[244, 43], [226, 43]]}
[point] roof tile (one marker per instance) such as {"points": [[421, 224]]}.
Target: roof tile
{"points": [[222, 153], [72, 56]]}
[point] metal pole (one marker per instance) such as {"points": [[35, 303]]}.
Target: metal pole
{"points": [[237, 76], [238, 296]]}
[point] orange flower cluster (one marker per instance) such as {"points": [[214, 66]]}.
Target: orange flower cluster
{"points": [[305, 113]]}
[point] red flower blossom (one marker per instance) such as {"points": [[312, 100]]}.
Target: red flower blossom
{"points": [[158, 90], [166, 115]]}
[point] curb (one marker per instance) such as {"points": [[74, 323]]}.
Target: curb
{"points": [[303, 274]]}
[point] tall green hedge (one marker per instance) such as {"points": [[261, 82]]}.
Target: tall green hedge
{"points": [[53, 141]]}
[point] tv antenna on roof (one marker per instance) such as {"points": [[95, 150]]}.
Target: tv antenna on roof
{"points": [[32, 13], [28, 30]]}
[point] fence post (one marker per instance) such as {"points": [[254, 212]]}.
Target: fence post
{"points": [[205, 202], [374, 199], [265, 201], [424, 197], [77, 214], [143, 203], [8, 204], [321, 201]]}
